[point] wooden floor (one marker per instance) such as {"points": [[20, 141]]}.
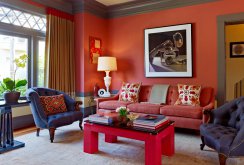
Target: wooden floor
{"points": [[24, 131]]}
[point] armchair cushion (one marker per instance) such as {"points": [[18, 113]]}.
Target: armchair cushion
{"points": [[53, 104], [218, 137], [61, 119]]}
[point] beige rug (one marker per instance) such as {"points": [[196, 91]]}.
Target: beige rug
{"points": [[67, 149]]}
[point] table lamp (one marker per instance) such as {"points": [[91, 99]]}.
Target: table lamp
{"points": [[107, 64]]}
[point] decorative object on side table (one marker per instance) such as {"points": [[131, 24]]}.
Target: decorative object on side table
{"points": [[11, 86], [106, 64]]}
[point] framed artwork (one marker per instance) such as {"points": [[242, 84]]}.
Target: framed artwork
{"points": [[236, 49], [95, 45], [168, 51]]}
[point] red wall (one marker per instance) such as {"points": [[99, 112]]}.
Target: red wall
{"points": [[124, 38], [86, 73], [126, 41]]}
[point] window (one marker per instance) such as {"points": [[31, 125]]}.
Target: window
{"points": [[40, 63], [19, 18], [14, 42], [12, 47]]}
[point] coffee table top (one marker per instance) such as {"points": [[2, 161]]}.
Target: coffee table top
{"points": [[117, 125]]}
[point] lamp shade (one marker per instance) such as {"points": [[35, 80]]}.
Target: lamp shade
{"points": [[107, 64]]}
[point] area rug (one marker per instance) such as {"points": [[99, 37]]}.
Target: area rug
{"points": [[67, 149]]}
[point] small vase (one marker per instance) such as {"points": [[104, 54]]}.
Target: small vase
{"points": [[11, 97], [123, 120]]}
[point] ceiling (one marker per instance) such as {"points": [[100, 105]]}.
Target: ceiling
{"points": [[113, 2]]}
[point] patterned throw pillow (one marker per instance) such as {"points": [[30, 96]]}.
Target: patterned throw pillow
{"points": [[130, 92], [53, 104], [188, 95]]}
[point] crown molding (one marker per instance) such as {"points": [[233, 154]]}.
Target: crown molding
{"points": [[131, 8], [57, 4], [145, 6], [90, 6], [100, 10]]}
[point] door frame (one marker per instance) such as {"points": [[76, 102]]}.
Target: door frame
{"points": [[221, 22]]}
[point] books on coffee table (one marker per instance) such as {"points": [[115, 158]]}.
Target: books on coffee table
{"points": [[150, 121], [104, 118]]}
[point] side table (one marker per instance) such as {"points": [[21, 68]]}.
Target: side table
{"points": [[7, 141]]}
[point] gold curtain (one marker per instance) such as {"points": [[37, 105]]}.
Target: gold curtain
{"points": [[60, 62]]}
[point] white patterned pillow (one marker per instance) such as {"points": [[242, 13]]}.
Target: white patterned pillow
{"points": [[188, 95], [130, 92]]}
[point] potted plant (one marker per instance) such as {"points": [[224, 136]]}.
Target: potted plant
{"points": [[123, 112], [11, 87]]}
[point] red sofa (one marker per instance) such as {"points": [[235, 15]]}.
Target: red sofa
{"points": [[184, 116]]}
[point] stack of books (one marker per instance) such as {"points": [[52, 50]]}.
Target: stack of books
{"points": [[151, 122], [106, 118]]}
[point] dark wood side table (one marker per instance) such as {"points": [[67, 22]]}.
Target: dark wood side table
{"points": [[7, 141]]}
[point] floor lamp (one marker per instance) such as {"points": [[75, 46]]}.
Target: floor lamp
{"points": [[107, 64]]}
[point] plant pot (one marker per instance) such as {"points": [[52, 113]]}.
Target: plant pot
{"points": [[11, 97], [123, 120]]}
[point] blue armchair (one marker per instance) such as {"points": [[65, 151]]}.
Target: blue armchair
{"points": [[225, 130], [51, 122]]}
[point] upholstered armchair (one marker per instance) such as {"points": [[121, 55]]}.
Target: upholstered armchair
{"points": [[51, 122], [225, 130]]}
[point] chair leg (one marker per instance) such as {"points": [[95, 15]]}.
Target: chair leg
{"points": [[222, 159], [38, 131], [80, 125], [51, 132], [203, 143]]}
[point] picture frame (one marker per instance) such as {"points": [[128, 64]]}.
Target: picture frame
{"points": [[168, 51], [95, 48], [237, 49]]}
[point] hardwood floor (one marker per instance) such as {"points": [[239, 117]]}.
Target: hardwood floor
{"points": [[24, 131]]}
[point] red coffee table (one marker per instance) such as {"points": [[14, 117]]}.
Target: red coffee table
{"points": [[156, 144]]}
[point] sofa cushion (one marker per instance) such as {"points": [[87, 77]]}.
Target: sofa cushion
{"points": [[218, 136], [194, 112], [188, 95], [113, 104], [130, 92], [147, 108], [53, 104]]}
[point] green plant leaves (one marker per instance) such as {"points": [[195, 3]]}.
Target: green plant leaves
{"points": [[9, 84], [20, 83]]}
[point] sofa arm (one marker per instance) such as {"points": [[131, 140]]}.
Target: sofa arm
{"points": [[77, 105], [207, 112], [99, 100]]}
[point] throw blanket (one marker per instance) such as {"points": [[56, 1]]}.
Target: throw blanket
{"points": [[158, 94]]}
